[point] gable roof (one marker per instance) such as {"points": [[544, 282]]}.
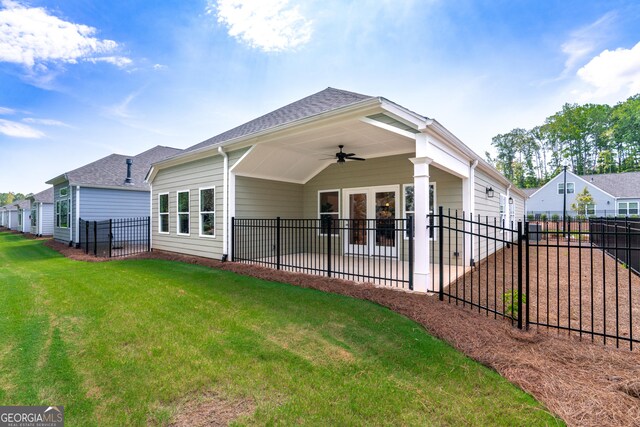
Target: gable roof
{"points": [[624, 184], [529, 191], [45, 196], [111, 171], [22, 204], [318, 103]]}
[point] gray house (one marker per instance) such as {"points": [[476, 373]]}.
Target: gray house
{"points": [[616, 194], [42, 213], [9, 215], [290, 163], [112, 187]]}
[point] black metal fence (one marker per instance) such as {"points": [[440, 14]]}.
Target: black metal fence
{"points": [[115, 237], [368, 250], [570, 276]]}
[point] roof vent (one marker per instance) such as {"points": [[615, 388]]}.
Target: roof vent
{"points": [[129, 163]]}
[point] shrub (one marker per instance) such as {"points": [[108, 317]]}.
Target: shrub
{"points": [[543, 217], [510, 300], [555, 217]]}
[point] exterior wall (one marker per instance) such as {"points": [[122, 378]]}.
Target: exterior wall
{"points": [[623, 199], [26, 220], [488, 208], [46, 218], [547, 200], [13, 220], [100, 203], [207, 172], [261, 198]]}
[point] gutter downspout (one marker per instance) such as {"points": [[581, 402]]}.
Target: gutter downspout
{"points": [[77, 218], [472, 207], [225, 207]]}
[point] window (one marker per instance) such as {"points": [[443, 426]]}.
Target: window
{"points": [[62, 213], [183, 212], [20, 213], [628, 208], [503, 210], [590, 209], [570, 187], [63, 192], [163, 212], [409, 206], [208, 212], [329, 211], [34, 216]]}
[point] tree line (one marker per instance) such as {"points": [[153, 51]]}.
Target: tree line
{"points": [[10, 197], [588, 138]]}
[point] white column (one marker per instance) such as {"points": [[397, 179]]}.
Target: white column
{"points": [[231, 204], [422, 256], [468, 207]]}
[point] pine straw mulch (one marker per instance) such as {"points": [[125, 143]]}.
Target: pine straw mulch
{"points": [[583, 383]]}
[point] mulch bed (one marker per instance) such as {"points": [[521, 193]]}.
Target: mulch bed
{"points": [[583, 383]]}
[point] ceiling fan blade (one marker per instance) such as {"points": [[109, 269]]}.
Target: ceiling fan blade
{"points": [[350, 154], [356, 158]]}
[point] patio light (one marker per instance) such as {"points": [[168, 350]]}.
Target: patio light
{"points": [[489, 192]]}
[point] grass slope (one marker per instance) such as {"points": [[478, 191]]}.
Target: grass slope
{"points": [[125, 342]]}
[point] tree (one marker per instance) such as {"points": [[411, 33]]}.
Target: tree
{"points": [[582, 202]]}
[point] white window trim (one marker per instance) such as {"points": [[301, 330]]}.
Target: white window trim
{"points": [[626, 209], [200, 212], [167, 214], [178, 213], [435, 205], [586, 209], [57, 214], [336, 190], [568, 182]]}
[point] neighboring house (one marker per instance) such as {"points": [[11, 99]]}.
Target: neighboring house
{"points": [[614, 194], [112, 187], [23, 216], [5, 215], [282, 165], [42, 213]]}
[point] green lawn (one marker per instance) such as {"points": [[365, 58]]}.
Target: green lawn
{"points": [[125, 342]]}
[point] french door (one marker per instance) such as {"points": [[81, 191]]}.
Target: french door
{"points": [[371, 214]]}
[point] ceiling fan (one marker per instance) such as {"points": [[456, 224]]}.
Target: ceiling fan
{"points": [[343, 157]]}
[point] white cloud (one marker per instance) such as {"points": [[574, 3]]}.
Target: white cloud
{"points": [[45, 122], [118, 61], [6, 111], [614, 72], [585, 40], [19, 130], [30, 36], [268, 25]]}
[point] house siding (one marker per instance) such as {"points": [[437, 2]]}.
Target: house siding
{"points": [[202, 173], [100, 203], [63, 234]]}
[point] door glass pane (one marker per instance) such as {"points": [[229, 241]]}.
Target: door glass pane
{"points": [[358, 217], [385, 216]]}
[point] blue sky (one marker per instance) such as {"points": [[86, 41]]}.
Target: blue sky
{"points": [[81, 79]]}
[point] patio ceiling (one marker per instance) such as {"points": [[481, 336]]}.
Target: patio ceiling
{"points": [[297, 157]]}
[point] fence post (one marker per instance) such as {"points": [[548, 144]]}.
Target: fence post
{"points": [[441, 253], [95, 238], [86, 246], [278, 243], [329, 239], [233, 238], [520, 274], [410, 233], [527, 272], [148, 234], [110, 235]]}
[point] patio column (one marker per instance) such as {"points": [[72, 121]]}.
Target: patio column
{"points": [[421, 270], [468, 207]]}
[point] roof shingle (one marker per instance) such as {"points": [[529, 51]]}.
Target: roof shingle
{"points": [[625, 184]]}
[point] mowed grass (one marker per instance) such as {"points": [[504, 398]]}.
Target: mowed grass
{"points": [[128, 342]]}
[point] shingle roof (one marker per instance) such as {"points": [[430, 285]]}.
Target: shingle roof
{"points": [[625, 184], [318, 103], [23, 204], [45, 196], [111, 171], [529, 191]]}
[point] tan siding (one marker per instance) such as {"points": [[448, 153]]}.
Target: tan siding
{"points": [[261, 198], [207, 172]]}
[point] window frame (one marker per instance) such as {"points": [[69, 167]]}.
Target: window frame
{"points": [[34, 216], [178, 212], [628, 208], [58, 213], [586, 209], [336, 230], [160, 214], [201, 212], [570, 184], [432, 210]]}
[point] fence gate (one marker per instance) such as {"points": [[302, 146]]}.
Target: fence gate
{"points": [[576, 276]]}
